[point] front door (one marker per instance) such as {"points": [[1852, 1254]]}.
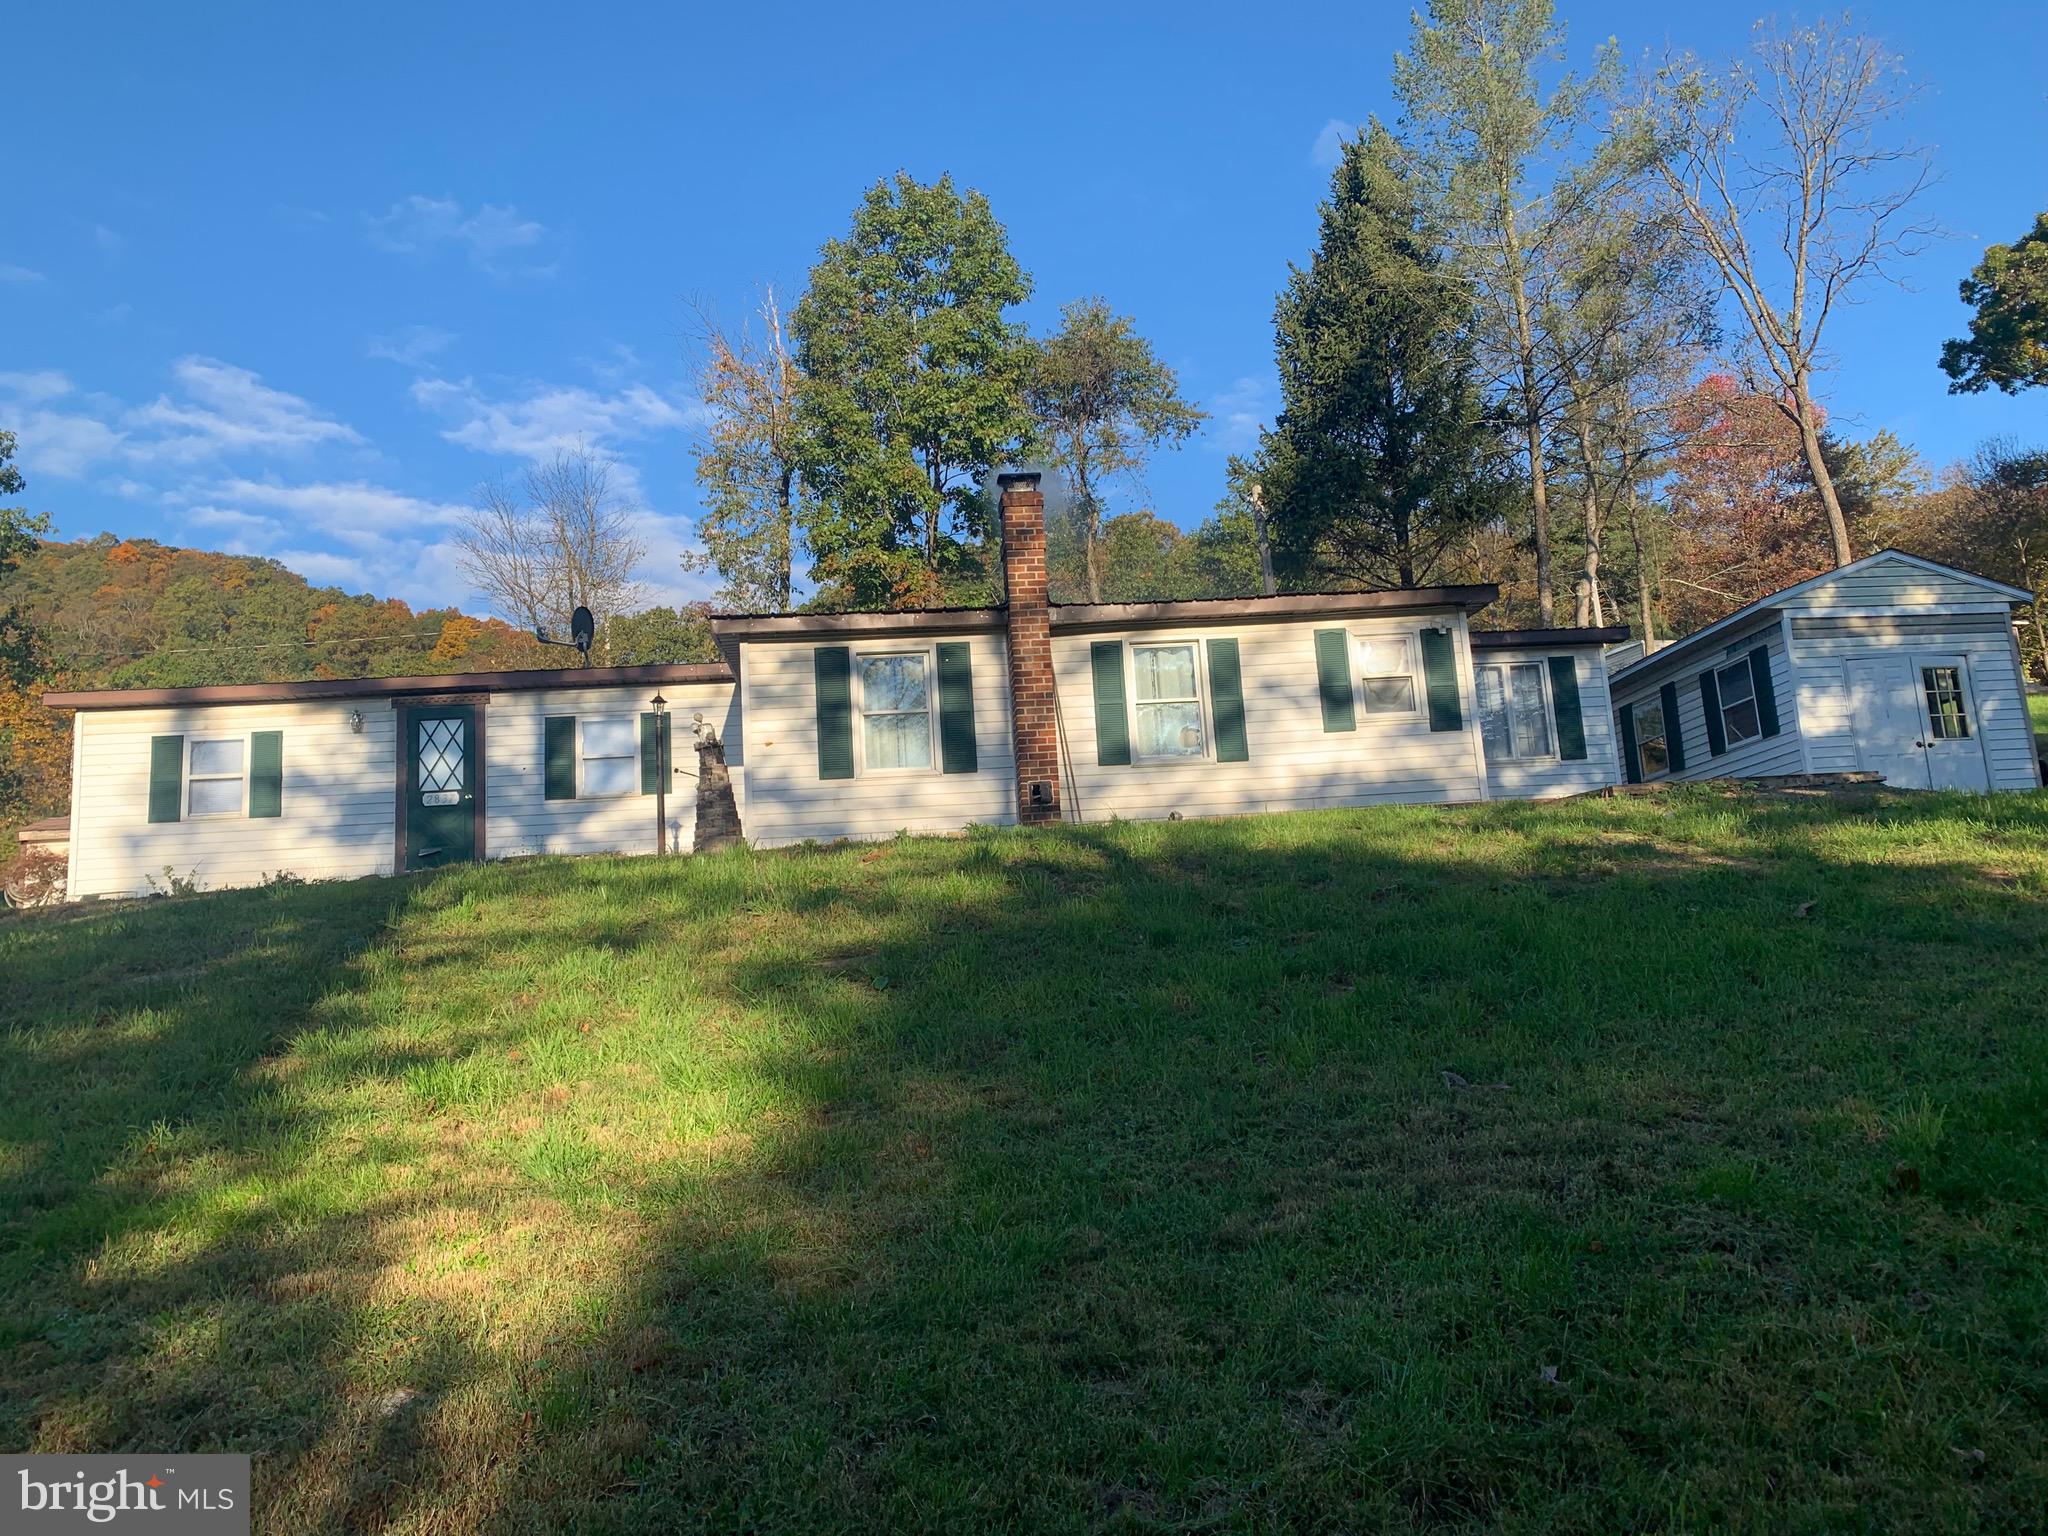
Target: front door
{"points": [[441, 784], [1890, 730], [1955, 754]]}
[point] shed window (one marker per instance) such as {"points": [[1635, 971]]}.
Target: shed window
{"points": [[1653, 748], [1169, 701], [213, 777], [1514, 720], [1386, 667], [611, 755], [1739, 719], [1946, 715], [896, 711]]}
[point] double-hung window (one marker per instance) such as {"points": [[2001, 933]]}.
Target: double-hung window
{"points": [[1947, 717], [611, 755], [1740, 721], [214, 777], [1514, 716], [1386, 670], [895, 710], [1653, 746], [1169, 701]]}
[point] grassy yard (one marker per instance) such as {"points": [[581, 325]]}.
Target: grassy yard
{"points": [[1111, 1177], [2037, 705]]}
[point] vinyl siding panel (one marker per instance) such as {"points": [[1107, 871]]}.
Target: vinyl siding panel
{"points": [[1294, 764], [1762, 758], [1823, 647], [1546, 778], [787, 802], [339, 812], [520, 819], [1895, 586]]}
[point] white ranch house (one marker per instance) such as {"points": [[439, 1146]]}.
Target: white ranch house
{"points": [[865, 724]]}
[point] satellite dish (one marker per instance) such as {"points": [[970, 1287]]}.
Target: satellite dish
{"points": [[582, 629]]}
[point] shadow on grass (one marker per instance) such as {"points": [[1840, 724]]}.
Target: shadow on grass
{"points": [[1102, 1177]]}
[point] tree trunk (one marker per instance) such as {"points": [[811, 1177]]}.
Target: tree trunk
{"points": [[1265, 544], [1645, 614], [784, 575], [1590, 610], [1525, 346], [1091, 536], [1816, 466]]}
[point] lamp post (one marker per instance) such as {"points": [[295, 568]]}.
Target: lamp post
{"points": [[660, 774]]}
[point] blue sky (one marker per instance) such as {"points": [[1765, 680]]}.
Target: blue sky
{"points": [[292, 281]]}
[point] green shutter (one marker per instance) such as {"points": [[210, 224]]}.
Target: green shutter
{"points": [[1710, 701], [956, 708], [833, 667], [1226, 702], [1674, 735], [653, 750], [266, 773], [166, 777], [1333, 679], [1766, 701], [1112, 730], [1440, 676], [558, 757], [1564, 703], [1631, 760]]}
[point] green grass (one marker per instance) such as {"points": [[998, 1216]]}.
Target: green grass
{"points": [[2037, 705], [1100, 1178]]}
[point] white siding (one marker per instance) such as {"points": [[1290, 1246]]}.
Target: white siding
{"points": [[519, 819], [786, 801], [1765, 757], [1545, 778], [1823, 645], [1888, 584], [339, 812], [1294, 764]]}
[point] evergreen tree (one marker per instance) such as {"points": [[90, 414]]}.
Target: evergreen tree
{"points": [[911, 392], [1382, 457]]}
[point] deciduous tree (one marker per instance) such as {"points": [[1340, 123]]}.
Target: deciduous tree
{"points": [[561, 539]]}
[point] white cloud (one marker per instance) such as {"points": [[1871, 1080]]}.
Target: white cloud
{"points": [[64, 443], [1328, 148], [43, 384], [413, 346], [1240, 412], [550, 417], [14, 274], [352, 512], [108, 241], [420, 226], [224, 408]]}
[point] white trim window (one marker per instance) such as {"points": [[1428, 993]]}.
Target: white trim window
{"points": [[1948, 709], [216, 776], [1166, 699], [1386, 673], [610, 750], [895, 711], [1736, 686], [1514, 711], [1653, 745]]}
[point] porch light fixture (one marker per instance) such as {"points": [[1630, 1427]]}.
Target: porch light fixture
{"points": [[355, 722]]}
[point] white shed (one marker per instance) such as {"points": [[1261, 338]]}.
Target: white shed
{"points": [[1892, 665]]}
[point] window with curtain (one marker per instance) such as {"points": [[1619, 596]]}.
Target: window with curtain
{"points": [[1386, 669], [1514, 717], [896, 711], [213, 777], [611, 756], [1169, 701]]}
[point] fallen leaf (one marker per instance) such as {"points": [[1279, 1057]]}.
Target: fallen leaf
{"points": [[1548, 1375], [1804, 909]]}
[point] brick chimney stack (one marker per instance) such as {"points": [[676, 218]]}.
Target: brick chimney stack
{"points": [[1027, 618]]}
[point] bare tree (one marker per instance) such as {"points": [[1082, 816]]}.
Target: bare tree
{"points": [[1789, 181], [754, 493], [560, 539]]}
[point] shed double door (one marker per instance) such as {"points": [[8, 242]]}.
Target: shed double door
{"points": [[1916, 721]]}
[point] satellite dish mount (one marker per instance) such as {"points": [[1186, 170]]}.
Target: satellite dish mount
{"points": [[582, 631]]}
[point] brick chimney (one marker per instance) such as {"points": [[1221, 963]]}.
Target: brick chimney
{"points": [[1027, 620]]}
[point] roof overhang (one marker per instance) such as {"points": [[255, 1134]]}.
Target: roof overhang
{"points": [[1257, 610], [314, 690], [1540, 639]]}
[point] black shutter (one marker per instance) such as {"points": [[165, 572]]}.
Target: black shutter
{"points": [[1674, 738], [1333, 680], [1631, 760], [1440, 676], [1766, 700], [266, 773], [1564, 702], [1112, 729], [166, 778], [956, 707], [1226, 702], [833, 667], [558, 757], [1710, 701]]}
